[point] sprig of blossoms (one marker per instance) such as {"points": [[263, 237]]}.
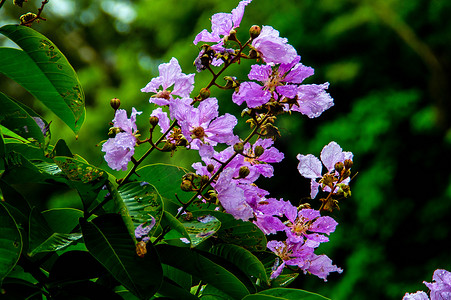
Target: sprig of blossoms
{"points": [[439, 289]]}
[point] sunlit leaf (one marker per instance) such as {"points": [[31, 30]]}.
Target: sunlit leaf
{"points": [[194, 263], [9, 133], [109, 241], [10, 242], [45, 72]]}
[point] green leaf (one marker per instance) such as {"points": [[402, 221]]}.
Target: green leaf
{"points": [[209, 292], [285, 293], [17, 119], [243, 259], [174, 291], [176, 225], [201, 228], [196, 264], [14, 198], [45, 72], [109, 241], [2, 145], [15, 288], [43, 239], [88, 180], [20, 170], [183, 279], [237, 232], [142, 203], [166, 179], [61, 149], [9, 133], [10, 243], [62, 220]]}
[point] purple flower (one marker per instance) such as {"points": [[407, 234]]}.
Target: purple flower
{"points": [[441, 287], [142, 232], [170, 75], [310, 166], [222, 24], [202, 125], [231, 196], [44, 128], [420, 295], [163, 119], [120, 149], [306, 224], [321, 266], [312, 99], [272, 48], [252, 93]]}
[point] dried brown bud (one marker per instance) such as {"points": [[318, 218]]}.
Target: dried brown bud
{"points": [[348, 163], [339, 167], [115, 103], [153, 120], [254, 31], [210, 168], [186, 186]]}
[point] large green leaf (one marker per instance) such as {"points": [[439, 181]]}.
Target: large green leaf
{"points": [[9, 133], [45, 72], [17, 119], [43, 239], [285, 294], [166, 179], [109, 241], [237, 232], [170, 289], [244, 260], [62, 220], [19, 169], [196, 264], [183, 279], [142, 203], [10, 242]]}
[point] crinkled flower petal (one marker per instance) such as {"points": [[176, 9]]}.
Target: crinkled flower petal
{"points": [[119, 150], [252, 93], [321, 266], [163, 120], [420, 295], [273, 48], [309, 166], [331, 154], [313, 99], [441, 287], [260, 72]]}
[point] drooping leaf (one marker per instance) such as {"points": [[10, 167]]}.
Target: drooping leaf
{"points": [[18, 169], [166, 179], [9, 133], [177, 231], [237, 232], [61, 149], [43, 239], [109, 241], [209, 292], [10, 242], [17, 119], [142, 203], [62, 220], [44, 71], [196, 264], [285, 293], [28, 150], [243, 259], [183, 279]]}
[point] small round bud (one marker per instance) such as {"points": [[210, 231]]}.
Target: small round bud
{"points": [[254, 31], [348, 163], [115, 103], [232, 82], [204, 93], [210, 168], [339, 167], [204, 179], [346, 174], [244, 171], [231, 36], [153, 120], [258, 150], [238, 147], [186, 186]]}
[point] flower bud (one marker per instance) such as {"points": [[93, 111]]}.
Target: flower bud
{"points": [[258, 150], [210, 168], [348, 163], [26, 18], [254, 31], [186, 186], [204, 179], [232, 82], [231, 36], [19, 2], [113, 131], [339, 167], [204, 93], [115, 103], [238, 147], [346, 174], [153, 120], [244, 171]]}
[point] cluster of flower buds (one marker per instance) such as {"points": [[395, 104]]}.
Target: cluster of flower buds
{"points": [[231, 170]]}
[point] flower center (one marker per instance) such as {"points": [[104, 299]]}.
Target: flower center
{"points": [[198, 132], [163, 94]]}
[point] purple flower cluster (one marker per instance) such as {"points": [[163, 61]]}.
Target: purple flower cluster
{"points": [[120, 149], [440, 289]]}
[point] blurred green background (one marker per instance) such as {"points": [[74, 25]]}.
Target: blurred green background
{"points": [[388, 64]]}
